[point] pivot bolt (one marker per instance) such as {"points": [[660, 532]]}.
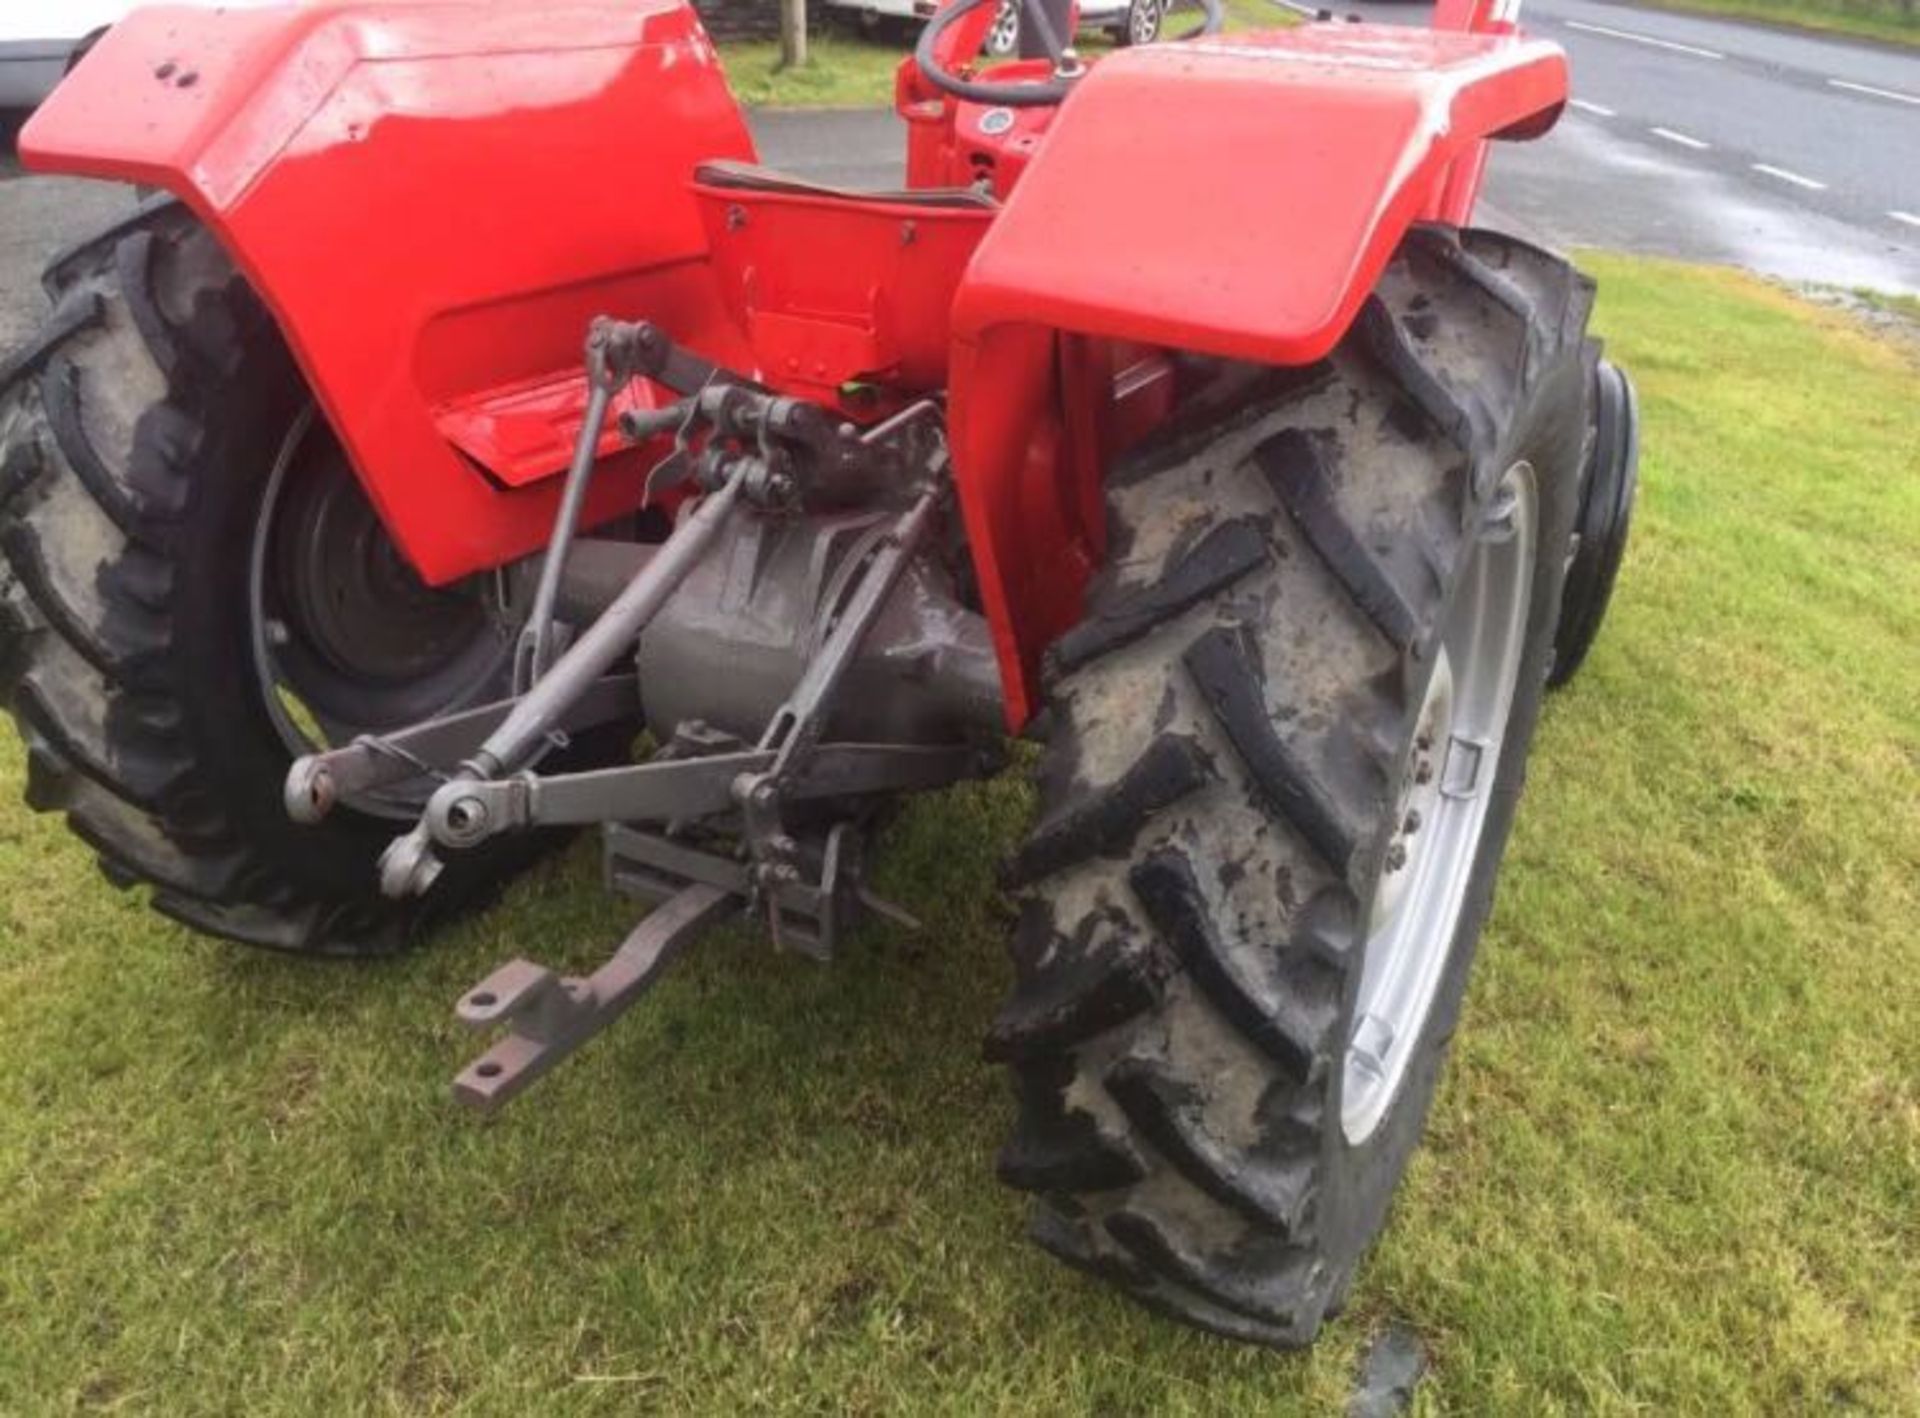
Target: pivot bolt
{"points": [[1396, 856], [1412, 824], [466, 818]]}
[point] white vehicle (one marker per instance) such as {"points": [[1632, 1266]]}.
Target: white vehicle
{"points": [[41, 39], [1128, 21]]}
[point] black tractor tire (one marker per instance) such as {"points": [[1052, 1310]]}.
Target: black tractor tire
{"points": [[1609, 488], [138, 430], [1228, 735]]}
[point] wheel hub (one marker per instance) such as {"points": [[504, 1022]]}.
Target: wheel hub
{"points": [[346, 593], [1441, 810], [347, 640]]}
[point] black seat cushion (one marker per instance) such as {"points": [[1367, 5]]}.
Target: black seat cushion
{"points": [[751, 177]]}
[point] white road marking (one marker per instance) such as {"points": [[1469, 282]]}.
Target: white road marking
{"points": [[1908, 217], [1795, 178], [1645, 39], [1682, 139], [1593, 108], [1294, 5], [1893, 94]]}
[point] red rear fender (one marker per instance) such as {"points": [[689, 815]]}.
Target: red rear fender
{"points": [[1239, 196], [433, 200], [1236, 196]]}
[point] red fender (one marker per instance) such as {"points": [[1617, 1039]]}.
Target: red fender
{"points": [[434, 200], [1236, 196]]}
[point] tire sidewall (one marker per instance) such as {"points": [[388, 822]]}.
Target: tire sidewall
{"points": [[244, 759], [1361, 1179], [215, 679]]}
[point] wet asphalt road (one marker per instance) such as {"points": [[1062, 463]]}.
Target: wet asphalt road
{"points": [[1705, 139], [1710, 139]]}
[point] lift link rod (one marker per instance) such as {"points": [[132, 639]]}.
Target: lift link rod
{"points": [[683, 789], [409, 866], [317, 782], [535, 646], [793, 736]]}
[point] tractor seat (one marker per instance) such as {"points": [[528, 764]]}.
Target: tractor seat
{"points": [[751, 177]]}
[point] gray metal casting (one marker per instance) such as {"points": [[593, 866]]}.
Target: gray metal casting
{"points": [[409, 866], [549, 1016], [729, 649]]}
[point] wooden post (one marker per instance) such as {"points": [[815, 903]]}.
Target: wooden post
{"points": [[793, 34]]}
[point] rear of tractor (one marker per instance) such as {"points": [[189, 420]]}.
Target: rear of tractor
{"points": [[337, 582]]}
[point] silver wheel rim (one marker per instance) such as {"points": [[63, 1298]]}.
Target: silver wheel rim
{"points": [[1004, 37], [1143, 21], [1442, 811]]}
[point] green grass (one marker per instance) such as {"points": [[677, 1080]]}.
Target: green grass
{"points": [[847, 71], [1891, 21], [1675, 1167]]}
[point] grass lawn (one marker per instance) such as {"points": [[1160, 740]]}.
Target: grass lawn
{"points": [[1892, 21], [1675, 1167], [847, 71]]}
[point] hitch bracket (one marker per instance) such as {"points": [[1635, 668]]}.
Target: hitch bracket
{"points": [[549, 1016]]}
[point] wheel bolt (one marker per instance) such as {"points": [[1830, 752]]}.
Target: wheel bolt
{"points": [[1412, 823], [1396, 856], [1423, 771]]}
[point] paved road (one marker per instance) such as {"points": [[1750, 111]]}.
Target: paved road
{"points": [[1704, 139], [1716, 140]]}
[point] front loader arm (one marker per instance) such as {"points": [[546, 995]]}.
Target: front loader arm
{"points": [[433, 201]]}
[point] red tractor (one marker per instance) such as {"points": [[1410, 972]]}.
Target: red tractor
{"points": [[336, 584]]}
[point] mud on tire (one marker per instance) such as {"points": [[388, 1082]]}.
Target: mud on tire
{"points": [[1229, 732], [137, 433]]}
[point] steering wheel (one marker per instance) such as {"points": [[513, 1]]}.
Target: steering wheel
{"points": [[1035, 19]]}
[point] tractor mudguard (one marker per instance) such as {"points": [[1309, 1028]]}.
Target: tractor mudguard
{"points": [[1240, 196], [433, 200], [1236, 196]]}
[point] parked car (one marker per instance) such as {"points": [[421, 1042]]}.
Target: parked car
{"points": [[40, 40], [1128, 21]]}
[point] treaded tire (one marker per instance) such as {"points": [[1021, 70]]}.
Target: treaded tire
{"points": [[1228, 730], [1609, 487], [137, 434]]}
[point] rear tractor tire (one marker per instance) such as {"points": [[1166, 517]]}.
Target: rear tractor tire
{"points": [[1608, 489], [194, 589], [1283, 752]]}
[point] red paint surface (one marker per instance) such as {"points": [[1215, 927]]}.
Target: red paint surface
{"points": [[435, 201]]}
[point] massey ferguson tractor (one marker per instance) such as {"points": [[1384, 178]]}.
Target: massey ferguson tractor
{"points": [[339, 581]]}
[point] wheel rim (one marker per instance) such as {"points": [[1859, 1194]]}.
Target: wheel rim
{"points": [[1004, 38], [1442, 813], [1143, 21], [346, 640]]}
